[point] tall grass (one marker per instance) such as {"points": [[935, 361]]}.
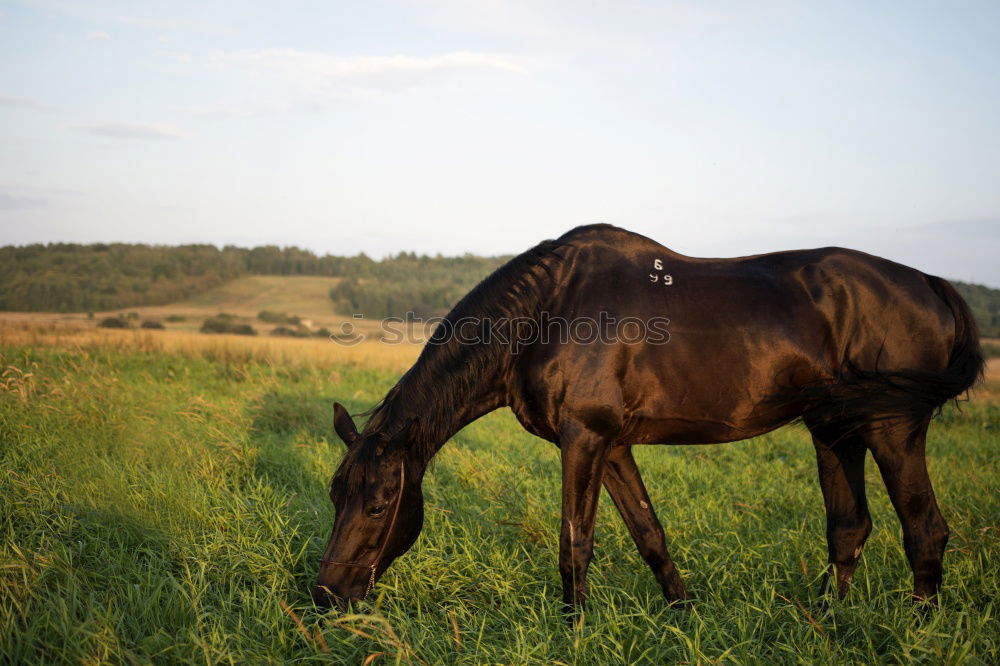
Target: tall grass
{"points": [[162, 501], [227, 349]]}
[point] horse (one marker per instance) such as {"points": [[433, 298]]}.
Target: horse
{"points": [[862, 350]]}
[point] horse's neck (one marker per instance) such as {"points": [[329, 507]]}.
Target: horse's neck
{"points": [[444, 403]]}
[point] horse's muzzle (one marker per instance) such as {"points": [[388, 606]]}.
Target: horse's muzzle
{"points": [[323, 597]]}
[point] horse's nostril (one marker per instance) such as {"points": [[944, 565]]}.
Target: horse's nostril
{"points": [[324, 598], [321, 597]]}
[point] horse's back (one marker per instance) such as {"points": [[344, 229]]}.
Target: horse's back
{"points": [[866, 306], [741, 330]]}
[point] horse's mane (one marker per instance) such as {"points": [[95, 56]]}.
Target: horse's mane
{"points": [[448, 371]]}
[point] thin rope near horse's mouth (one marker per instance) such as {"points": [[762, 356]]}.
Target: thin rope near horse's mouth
{"points": [[373, 567]]}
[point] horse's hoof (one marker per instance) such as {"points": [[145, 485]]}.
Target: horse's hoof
{"points": [[676, 594], [572, 612], [680, 604]]}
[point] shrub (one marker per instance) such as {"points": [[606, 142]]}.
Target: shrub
{"points": [[176, 318], [113, 322], [272, 317], [151, 323], [226, 323]]}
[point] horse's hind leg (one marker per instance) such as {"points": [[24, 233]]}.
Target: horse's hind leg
{"points": [[624, 484], [898, 448], [841, 463]]}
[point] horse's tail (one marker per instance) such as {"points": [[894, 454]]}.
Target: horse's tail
{"points": [[966, 364], [859, 397]]}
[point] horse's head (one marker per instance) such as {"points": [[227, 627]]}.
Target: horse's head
{"points": [[379, 510]]}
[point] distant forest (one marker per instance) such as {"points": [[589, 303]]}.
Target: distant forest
{"points": [[66, 277], [425, 286], [985, 305]]}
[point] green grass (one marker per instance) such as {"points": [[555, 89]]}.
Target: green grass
{"points": [[156, 508]]}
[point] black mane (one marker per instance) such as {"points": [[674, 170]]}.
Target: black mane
{"points": [[448, 371]]}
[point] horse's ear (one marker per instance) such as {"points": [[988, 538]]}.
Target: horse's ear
{"points": [[344, 424]]}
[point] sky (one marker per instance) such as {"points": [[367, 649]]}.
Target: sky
{"points": [[716, 128]]}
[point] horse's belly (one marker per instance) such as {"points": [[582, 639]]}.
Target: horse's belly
{"points": [[703, 398], [694, 430]]}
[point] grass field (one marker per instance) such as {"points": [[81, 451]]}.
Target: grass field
{"points": [[163, 500], [306, 296]]}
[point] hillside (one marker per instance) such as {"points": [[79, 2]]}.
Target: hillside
{"points": [[63, 277], [244, 297], [305, 295]]}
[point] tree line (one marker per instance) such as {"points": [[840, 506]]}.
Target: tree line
{"points": [[66, 277], [406, 282], [985, 305], [69, 277]]}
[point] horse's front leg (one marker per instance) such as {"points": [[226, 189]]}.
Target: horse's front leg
{"points": [[624, 484], [584, 454]]}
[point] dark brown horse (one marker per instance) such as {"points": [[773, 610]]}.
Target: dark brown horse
{"points": [[604, 339]]}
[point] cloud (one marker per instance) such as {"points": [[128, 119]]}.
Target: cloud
{"points": [[131, 131], [98, 36], [322, 64], [275, 81], [290, 80], [23, 103], [11, 199], [314, 69], [243, 109]]}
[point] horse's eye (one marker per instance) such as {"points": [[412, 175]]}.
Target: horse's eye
{"points": [[376, 510]]}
